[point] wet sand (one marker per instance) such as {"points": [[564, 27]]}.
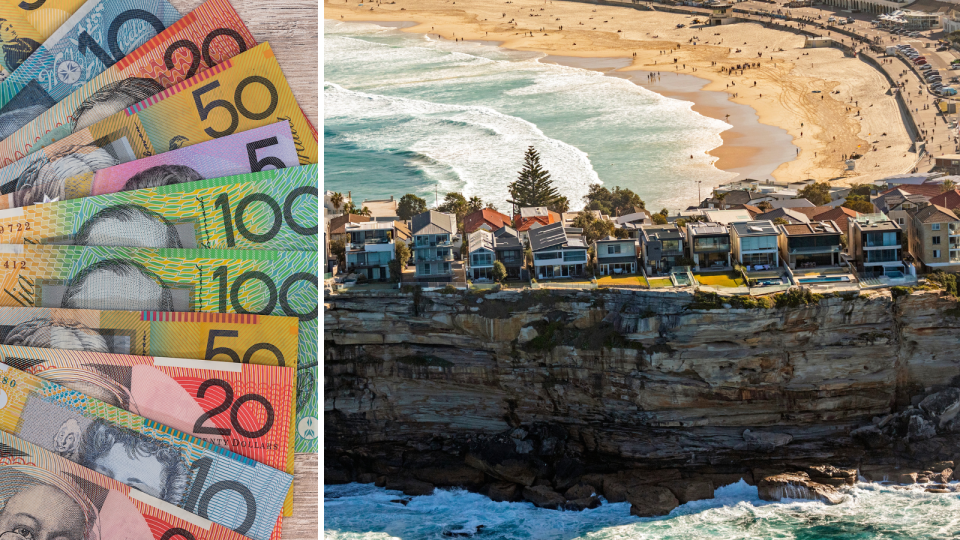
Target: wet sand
{"points": [[750, 149]]}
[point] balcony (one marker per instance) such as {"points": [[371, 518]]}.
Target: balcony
{"points": [[371, 245], [811, 250], [432, 256]]}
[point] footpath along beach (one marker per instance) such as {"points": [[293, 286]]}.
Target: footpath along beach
{"points": [[807, 97]]}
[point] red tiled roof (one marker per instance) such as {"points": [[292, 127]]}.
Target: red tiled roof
{"points": [[494, 219], [753, 210], [929, 190], [947, 199], [841, 215], [523, 224]]}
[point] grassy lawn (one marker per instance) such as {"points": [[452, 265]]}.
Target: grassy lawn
{"points": [[660, 282], [630, 279], [722, 279], [581, 281]]}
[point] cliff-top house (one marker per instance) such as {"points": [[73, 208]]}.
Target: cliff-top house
{"points": [[432, 247], [557, 252], [370, 248]]}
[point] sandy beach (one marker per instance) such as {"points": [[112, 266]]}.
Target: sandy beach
{"points": [[828, 105]]}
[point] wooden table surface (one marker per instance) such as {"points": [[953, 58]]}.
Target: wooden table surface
{"points": [[293, 30]]}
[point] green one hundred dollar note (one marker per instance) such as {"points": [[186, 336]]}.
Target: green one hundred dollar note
{"points": [[263, 282], [274, 209]]}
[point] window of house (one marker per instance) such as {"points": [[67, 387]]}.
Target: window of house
{"points": [[613, 249], [936, 239], [935, 227], [936, 254], [899, 221]]}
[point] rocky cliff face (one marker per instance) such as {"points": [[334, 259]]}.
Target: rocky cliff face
{"points": [[551, 387]]}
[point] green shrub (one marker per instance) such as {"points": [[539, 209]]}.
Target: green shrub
{"points": [[900, 291], [796, 297]]}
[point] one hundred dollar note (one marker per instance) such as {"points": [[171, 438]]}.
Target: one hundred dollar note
{"points": [[263, 282], [185, 471], [273, 209], [47, 15], [95, 37], [258, 149], [239, 94], [245, 408], [204, 37], [18, 38], [46, 496]]}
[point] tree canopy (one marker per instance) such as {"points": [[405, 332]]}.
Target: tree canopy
{"points": [[858, 205], [410, 205], [615, 203], [533, 186], [593, 228], [817, 193], [455, 203]]}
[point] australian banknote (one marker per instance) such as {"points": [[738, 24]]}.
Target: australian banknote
{"points": [[213, 280], [258, 149], [273, 209], [204, 37], [46, 496], [229, 337], [46, 15], [158, 460], [18, 38], [245, 408], [95, 37], [239, 94]]}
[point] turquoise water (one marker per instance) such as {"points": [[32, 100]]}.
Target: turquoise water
{"points": [[409, 113], [364, 512]]}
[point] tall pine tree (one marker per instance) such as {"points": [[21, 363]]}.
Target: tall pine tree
{"points": [[534, 188]]}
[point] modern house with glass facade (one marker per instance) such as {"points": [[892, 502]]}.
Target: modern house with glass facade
{"points": [[875, 243], [810, 245], [432, 245], [616, 256], [370, 248], [480, 255], [662, 247], [709, 245], [509, 251], [557, 252], [755, 244]]}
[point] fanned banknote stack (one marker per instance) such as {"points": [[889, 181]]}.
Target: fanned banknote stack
{"points": [[158, 274]]}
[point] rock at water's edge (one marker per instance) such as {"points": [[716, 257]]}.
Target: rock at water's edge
{"points": [[652, 501], [796, 486], [544, 497], [690, 490]]}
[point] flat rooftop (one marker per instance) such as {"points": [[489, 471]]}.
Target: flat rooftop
{"points": [[369, 226], [707, 229], [755, 228], [814, 228]]}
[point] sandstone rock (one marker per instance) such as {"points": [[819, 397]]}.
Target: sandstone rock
{"points": [[367, 478], [831, 476], [568, 472], [527, 333], [937, 490], [796, 486], [920, 429], [580, 491], [524, 447], [585, 503], [510, 470], [904, 478], [595, 480], [442, 469], [501, 491], [518, 433], [381, 481], [943, 476], [941, 465], [766, 441], [336, 475], [871, 437], [690, 490], [943, 405], [544, 497], [652, 501], [410, 486], [617, 487]]}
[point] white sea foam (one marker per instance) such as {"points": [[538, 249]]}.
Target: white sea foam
{"points": [[473, 108], [365, 512]]}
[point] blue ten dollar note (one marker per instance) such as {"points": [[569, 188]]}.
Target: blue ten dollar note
{"points": [[97, 36]]}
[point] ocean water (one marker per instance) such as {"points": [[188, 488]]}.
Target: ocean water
{"points": [[871, 511], [409, 113]]}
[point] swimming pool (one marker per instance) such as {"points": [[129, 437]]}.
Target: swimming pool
{"points": [[823, 279]]}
